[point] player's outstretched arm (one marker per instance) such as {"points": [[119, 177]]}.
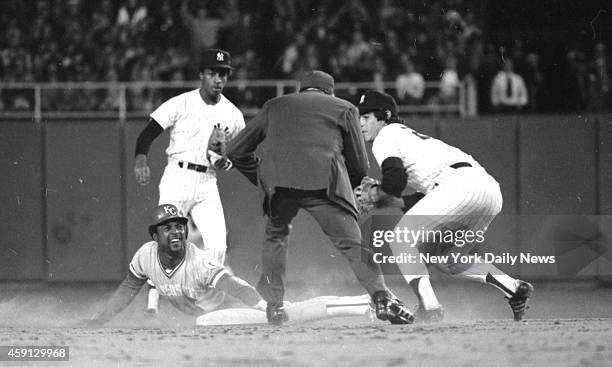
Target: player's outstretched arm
{"points": [[122, 297], [240, 289], [241, 150]]}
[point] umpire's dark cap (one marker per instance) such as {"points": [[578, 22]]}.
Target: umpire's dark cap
{"points": [[216, 59], [373, 100], [165, 213], [317, 79]]}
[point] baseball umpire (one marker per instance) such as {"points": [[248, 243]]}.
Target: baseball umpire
{"points": [[199, 122], [453, 192], [312, 156]]}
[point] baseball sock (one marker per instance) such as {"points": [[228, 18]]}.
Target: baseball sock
{"points": [[491, 275], [427, 297]]}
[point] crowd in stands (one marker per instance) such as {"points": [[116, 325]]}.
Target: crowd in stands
{"points": [[405, 42]]}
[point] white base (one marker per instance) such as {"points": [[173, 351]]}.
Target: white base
{"points": [[232, 316]]}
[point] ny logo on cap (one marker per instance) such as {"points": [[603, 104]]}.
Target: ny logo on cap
{"points": [[362, 98], [219, 56]]}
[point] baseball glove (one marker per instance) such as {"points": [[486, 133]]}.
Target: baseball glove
{"points": [[218, 139], [366, 195], [217, 144]]}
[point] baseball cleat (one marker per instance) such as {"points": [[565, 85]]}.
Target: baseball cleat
{"points": [[389, 309], [435, 314], [276, 314], [518, 302]]}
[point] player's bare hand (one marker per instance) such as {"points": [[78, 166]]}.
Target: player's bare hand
{"points": [[142, 170], [219, 162]]}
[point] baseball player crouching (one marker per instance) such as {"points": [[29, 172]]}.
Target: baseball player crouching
{"points": [[197, 284], [452, 192]]}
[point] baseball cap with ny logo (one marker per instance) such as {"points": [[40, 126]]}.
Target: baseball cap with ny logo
{"points": [[215, 58]]}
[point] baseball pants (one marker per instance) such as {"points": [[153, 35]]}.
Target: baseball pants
{"points": [[466, 198], [196, 193], [339, 225]]}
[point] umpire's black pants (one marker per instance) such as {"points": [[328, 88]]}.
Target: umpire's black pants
{"points": [[337, 223]]}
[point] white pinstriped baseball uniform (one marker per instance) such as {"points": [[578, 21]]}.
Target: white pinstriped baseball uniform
{"points": [[190, 286], [467, 197], [191, 121]]}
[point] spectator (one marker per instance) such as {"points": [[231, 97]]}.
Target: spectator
{"points": [[379, 74], [574, 92], [132, 14], [358, 48], [166, 27], [112, 97], [508, 91], [359, 57], [534, 80], [204, 27], [448, 92], [410, 84], [291, 56], [599, 81]]}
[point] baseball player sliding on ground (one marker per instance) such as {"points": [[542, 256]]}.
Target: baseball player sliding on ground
{"points": [[195, 119], [197, 284], [452, 192]]}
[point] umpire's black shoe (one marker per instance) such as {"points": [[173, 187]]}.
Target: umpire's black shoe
{"points": [[390, 309], [276, 314], [518, 302]]}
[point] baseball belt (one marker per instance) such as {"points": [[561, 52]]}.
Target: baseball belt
{"points": [[460, 165], [192, 166]]}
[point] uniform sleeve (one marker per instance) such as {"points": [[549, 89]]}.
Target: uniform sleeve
{"points": [[354, 148], [137, 265], [241, 150], [168, 112], [385, 145], [210, 271], [146, 137], [394, 176]]}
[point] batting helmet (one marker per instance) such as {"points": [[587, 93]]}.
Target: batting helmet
{"points": [[165, 213]]}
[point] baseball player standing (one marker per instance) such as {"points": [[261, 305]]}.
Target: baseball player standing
{"points": [[453, 192], [197, 284], [189, 180]]}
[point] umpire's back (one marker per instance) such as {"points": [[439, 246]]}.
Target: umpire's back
{"points": [[312, 139]]}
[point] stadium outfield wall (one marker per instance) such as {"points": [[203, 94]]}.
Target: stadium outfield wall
{"points": [[72, 210]]}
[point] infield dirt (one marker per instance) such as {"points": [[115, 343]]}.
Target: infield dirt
{"points": [[567, 325]]}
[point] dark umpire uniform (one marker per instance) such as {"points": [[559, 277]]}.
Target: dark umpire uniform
{"points": [[312, 155]]}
